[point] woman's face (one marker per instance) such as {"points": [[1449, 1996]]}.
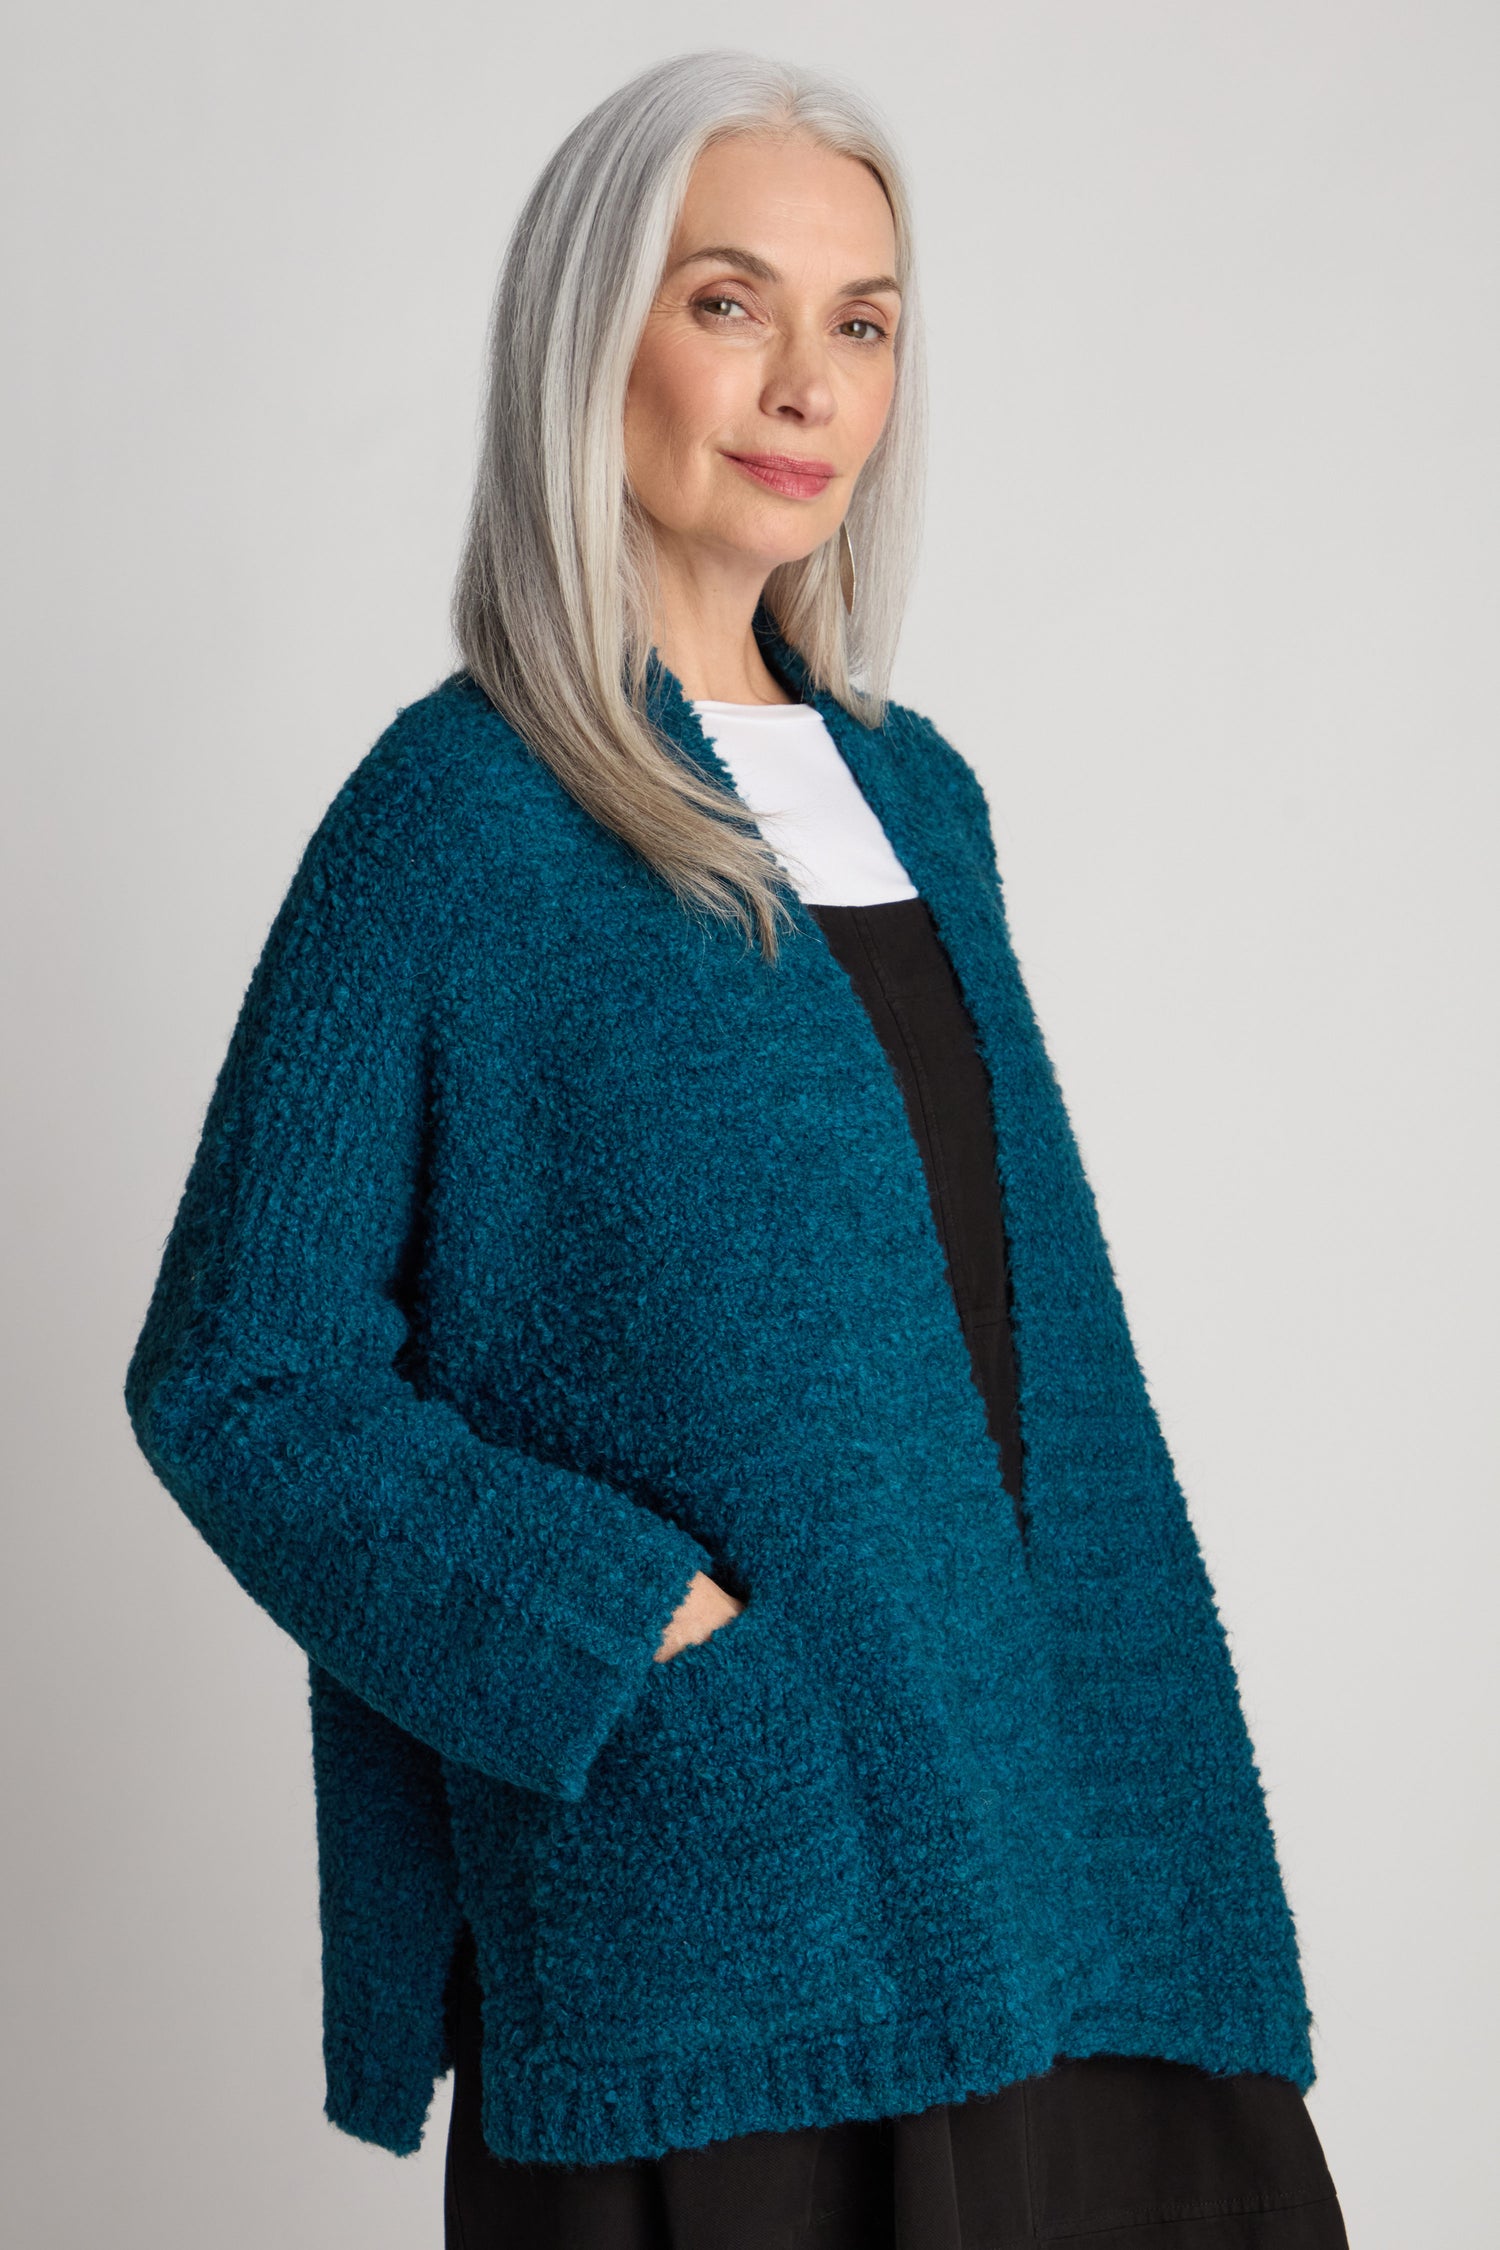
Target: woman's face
{"points": [[765, 370]]}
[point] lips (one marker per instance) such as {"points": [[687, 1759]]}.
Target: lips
{"points": [[785, 473]]}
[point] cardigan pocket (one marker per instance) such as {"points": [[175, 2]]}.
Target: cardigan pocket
{"points": [[713, 1883]]}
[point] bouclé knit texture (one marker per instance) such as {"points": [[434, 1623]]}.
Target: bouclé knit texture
{"points": [[544, 1245]]}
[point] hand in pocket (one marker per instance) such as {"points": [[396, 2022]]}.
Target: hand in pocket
{"points": [[700, 1613]]}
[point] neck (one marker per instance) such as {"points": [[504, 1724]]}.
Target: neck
{"points": [[704, 631]]}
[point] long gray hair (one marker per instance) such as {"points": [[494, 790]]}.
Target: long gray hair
{"points": [[556, 593]]}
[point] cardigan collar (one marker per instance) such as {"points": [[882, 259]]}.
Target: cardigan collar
{"points": [[671, 708], [866, 750], [895, 774]]}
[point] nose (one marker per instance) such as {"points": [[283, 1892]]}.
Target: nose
{"points": [[797, 386]]}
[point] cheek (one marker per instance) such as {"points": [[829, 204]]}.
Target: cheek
{"points": [[673, 406]]}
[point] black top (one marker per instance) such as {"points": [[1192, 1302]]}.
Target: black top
{"points": [[1145, 2153], [906, 981]]}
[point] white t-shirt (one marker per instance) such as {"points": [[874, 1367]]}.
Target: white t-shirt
{"points": [[788, 769]]}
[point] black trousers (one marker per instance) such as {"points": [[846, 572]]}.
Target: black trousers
{"points": [[1131, 2152]]}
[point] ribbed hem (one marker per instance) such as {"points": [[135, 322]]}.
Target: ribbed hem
{"points": [[563, 2112], [568, 2112]]}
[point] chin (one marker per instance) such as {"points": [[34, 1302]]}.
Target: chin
{"points": [[769, 546]]}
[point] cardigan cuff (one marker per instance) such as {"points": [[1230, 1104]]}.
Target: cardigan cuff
{"points": [[543, 1703], [555, 1735]]}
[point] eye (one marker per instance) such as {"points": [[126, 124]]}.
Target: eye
{"points": [[875, 334], [720, 308]]}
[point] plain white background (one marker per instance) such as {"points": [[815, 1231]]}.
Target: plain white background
{"points": [[1209, 600]]}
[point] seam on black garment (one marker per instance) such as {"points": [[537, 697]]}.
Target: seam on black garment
{"points": [[1029, 2141], [1187, 2214], [456, 2234]]}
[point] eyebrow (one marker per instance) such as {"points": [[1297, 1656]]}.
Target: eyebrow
{"points": [[730, 254]]}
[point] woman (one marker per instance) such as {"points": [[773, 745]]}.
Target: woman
{"points": [[774, 1739]]}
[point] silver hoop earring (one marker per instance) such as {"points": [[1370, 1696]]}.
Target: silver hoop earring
{"points": [[847, 578]]}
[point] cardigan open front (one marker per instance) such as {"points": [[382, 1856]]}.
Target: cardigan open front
{"points": [[544, 1245]]}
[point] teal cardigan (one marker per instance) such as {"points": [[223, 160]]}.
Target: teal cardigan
{"points": [[544, 1245]]}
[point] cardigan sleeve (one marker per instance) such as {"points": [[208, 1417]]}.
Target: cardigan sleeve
{"points": [[501, 1607]]}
